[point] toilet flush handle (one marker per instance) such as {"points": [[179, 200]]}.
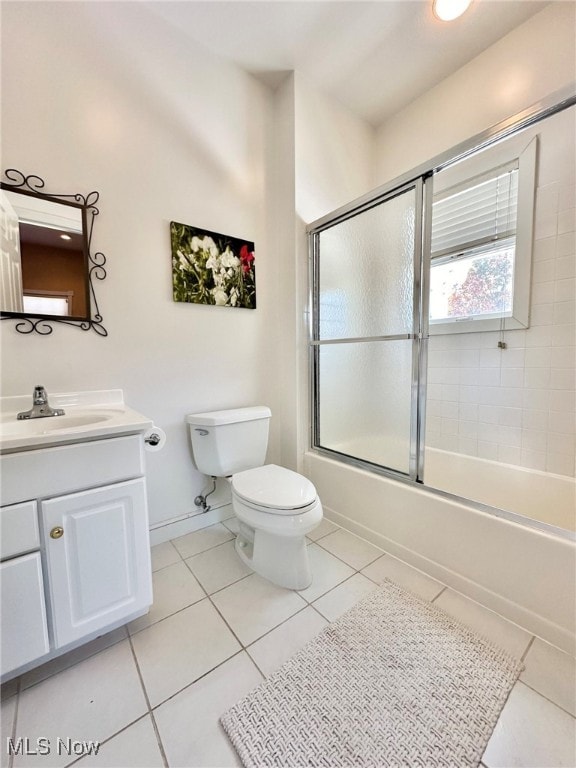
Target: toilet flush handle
{"points": [[203, 432]]}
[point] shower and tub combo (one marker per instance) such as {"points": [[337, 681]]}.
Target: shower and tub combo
{"points": [[442, 359]]}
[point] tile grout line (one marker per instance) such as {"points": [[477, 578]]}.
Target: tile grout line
{"points": [[153, 719], [158, 621], [162, 567], [201, 677], [444, 588], [269, 631], [207, 595], [205, 551], [184, 557], [253, 660], [80, 661], [242, 646], [489, 610], [109, 738], [323, 536], [236, 581], [321, 614], [159, 739], [356, 573], [15, 719], [382, 553], [528, 647], [542, 695]]}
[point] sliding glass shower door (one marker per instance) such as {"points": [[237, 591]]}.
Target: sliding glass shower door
{"points": [[366, 332]]}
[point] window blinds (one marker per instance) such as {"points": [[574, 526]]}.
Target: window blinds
{"points": [[480, 211]]}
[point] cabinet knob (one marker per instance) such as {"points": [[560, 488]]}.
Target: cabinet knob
{"points": [[56, 532]]}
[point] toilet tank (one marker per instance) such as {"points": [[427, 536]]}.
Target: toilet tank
{"points": [[225, 442]]}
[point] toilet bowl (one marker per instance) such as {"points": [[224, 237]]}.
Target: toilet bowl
{"points": [[276, 509]]}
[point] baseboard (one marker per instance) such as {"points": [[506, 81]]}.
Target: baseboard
{"points": [[180, 526], [524, 618]]}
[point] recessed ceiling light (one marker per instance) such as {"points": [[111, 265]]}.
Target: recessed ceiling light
{"points": [[65, 237], [448, 10]]}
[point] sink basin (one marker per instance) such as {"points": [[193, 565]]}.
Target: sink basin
{"points": [[86, 418], [52, 423], [68, 422], [48, 424]]}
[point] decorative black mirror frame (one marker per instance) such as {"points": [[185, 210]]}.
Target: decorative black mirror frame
{"points": [[28, 323]]}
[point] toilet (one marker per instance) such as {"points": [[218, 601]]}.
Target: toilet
{"points": [[276, 507]]}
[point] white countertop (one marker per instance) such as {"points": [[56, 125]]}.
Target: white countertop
{"points": [[88, 416]]}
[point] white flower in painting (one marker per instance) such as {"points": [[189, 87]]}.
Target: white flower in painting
{"points": [[230, 273], [209, 245], [234, 297], [220, 297], [213, 262], [183, 261], [229, 260], [196, 244]]}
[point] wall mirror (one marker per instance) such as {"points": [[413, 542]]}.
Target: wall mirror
{"points": [[47, 271]]}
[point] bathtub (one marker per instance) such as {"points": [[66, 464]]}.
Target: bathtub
{"points": [[524, 572], [541, 496]]}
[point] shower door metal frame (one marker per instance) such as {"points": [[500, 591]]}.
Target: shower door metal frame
{"points": [[418, 336], [547, 107]]}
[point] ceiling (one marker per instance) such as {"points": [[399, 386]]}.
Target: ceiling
{"points": [[375, 57]]}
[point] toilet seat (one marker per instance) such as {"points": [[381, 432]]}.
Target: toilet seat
{"points": [[274, 490]]}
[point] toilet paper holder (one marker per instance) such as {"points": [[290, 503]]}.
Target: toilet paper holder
{"points": [[154, 439]]}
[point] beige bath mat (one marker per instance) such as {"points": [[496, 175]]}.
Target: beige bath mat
{"points": [[393, 682]]}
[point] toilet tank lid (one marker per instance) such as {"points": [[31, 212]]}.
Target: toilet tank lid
{"points": [[229, 416]]}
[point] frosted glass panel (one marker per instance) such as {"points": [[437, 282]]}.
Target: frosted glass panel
{"points": [[367, 272], [365, 397]]}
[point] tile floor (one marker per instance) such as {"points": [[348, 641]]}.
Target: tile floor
{"points": [[152, 693]]}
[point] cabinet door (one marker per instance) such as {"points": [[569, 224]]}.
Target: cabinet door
{"points": [[23, 619], [98, 564]]}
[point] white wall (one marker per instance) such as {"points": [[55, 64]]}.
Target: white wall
{"points": [[530, 63], [333, 165], [284, 244], [334, 152], [178, 135], [105, 96]]}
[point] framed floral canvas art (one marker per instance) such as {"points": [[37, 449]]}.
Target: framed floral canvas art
{"points": [[210, 268]]}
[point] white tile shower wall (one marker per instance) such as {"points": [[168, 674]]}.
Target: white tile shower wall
{"points": [[517, 405]]}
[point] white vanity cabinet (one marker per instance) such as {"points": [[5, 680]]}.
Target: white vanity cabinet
{"points": [[75, 547]]}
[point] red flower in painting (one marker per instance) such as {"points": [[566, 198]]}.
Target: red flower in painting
{"points": [[246, 259]]}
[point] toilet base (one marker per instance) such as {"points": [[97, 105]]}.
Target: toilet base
{"points": [[281, 560]]}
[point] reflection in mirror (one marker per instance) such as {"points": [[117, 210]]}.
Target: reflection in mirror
{"points": [[46, 268]]}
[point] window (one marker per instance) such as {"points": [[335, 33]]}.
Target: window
{"points": [[481, 248], [48, 302]]}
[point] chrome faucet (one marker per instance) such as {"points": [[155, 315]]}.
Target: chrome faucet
{"points": [[40, 406]]}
